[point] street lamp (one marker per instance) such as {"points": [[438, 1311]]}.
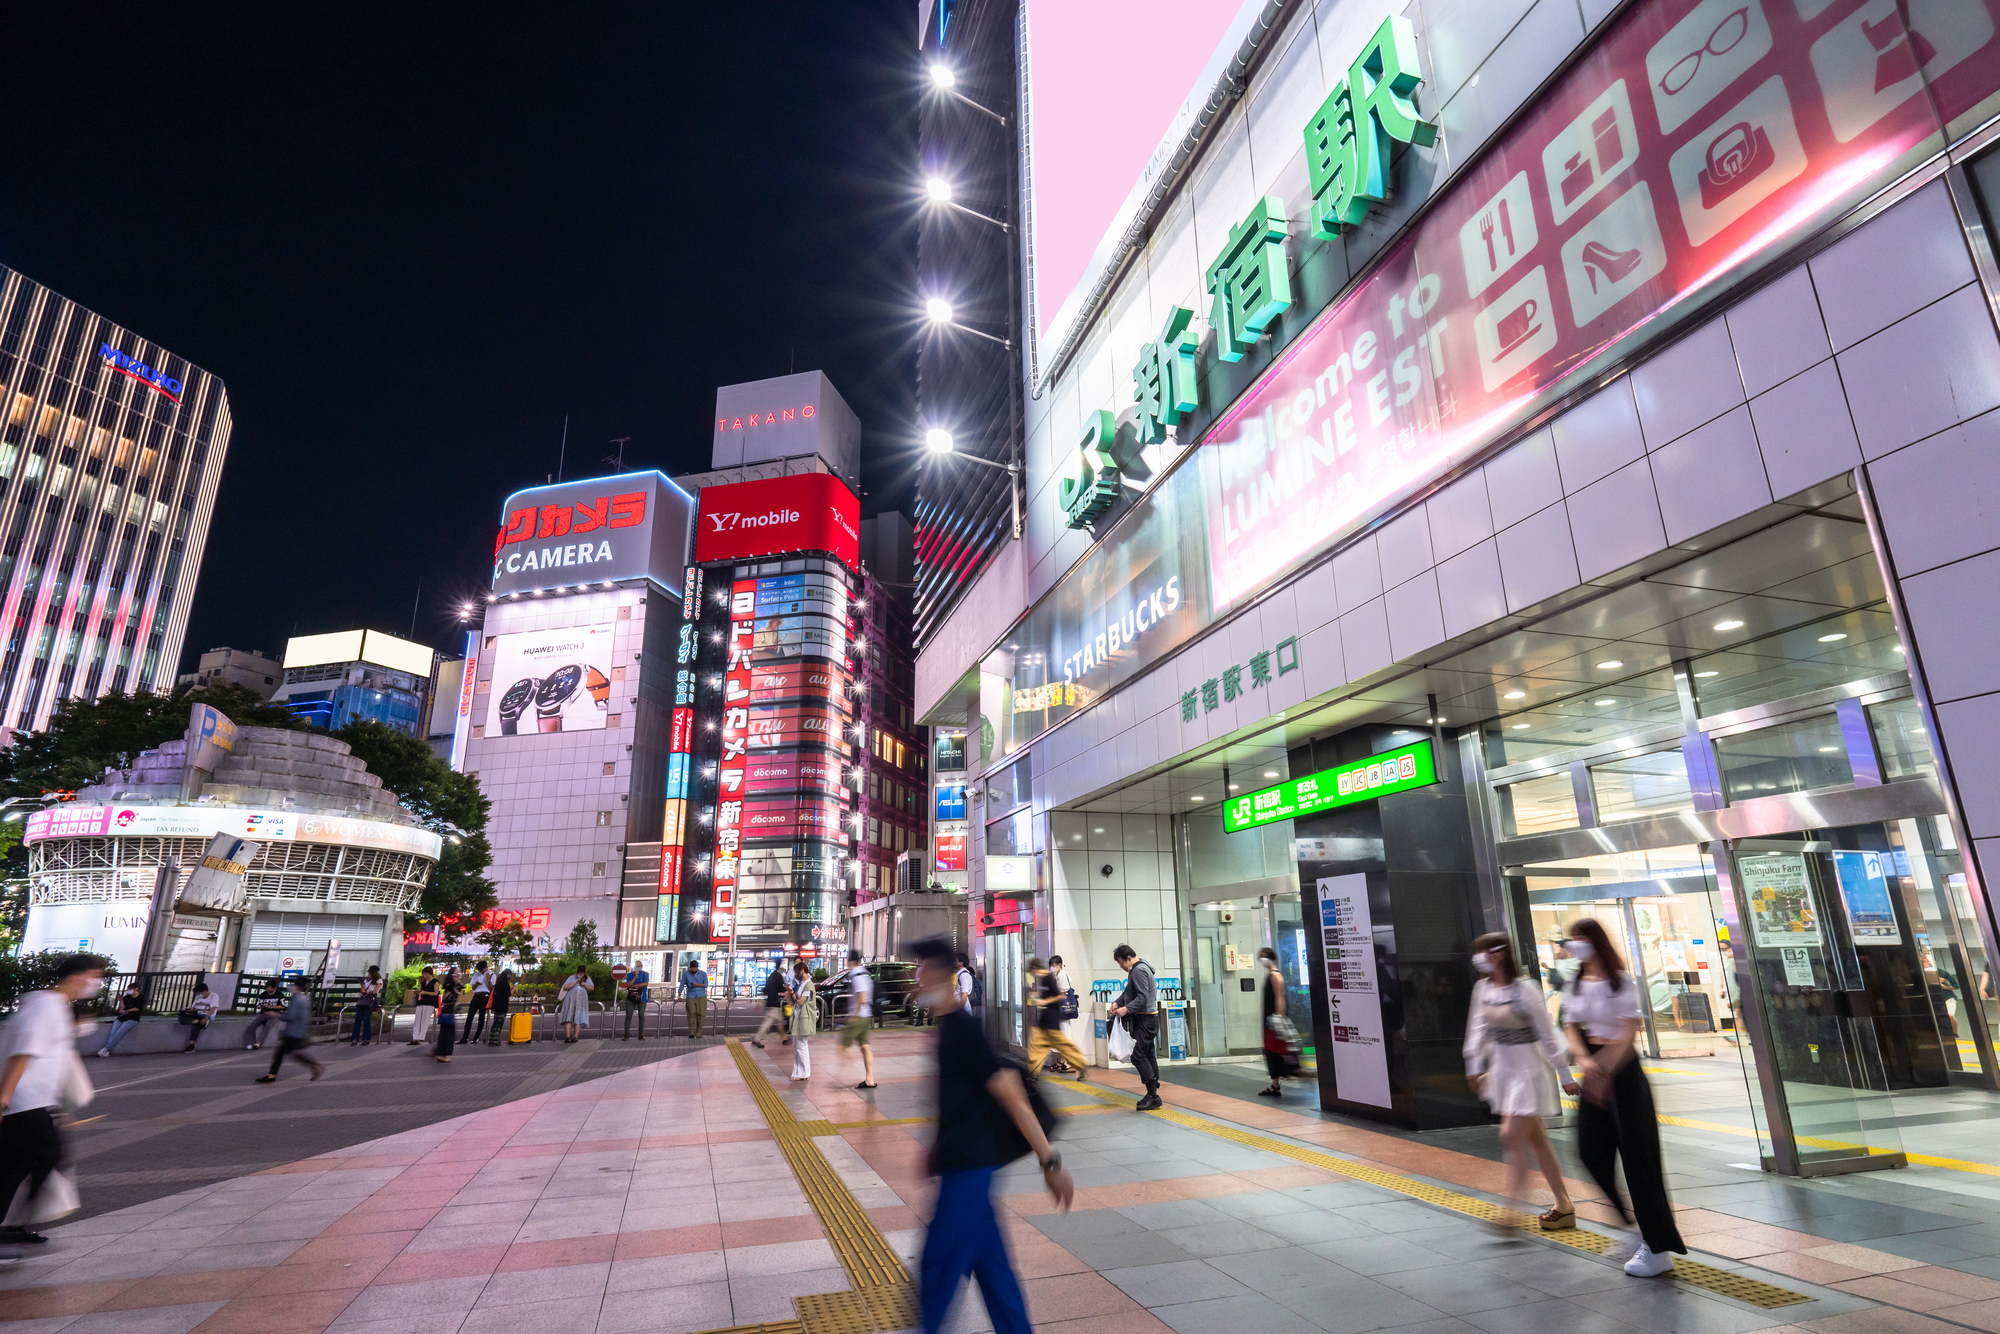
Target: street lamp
{"points": [[938, 311], [938, 442], [940, 192], [945, 81]]}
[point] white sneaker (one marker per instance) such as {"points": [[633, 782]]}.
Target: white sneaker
{"points": [[104, 1051], [1645, 1264]]}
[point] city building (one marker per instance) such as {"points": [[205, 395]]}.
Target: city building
{"points": [[248, 668], [334, 679], [110, 454], [336, 859], [450, 701], [1591, 518]]}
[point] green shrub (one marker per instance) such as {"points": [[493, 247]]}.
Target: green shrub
{"points": [[23, 973]]}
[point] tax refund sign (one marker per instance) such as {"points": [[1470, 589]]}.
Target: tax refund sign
{"points": [[1401, 770]]}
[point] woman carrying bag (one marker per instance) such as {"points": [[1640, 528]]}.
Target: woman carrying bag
{"points": [[427, 1006], [1616, 1119], [1511, 1050], [574, 1007], [805, 1021], [1069, 1011], [1281, 1035]]}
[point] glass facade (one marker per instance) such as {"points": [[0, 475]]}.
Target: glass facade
{"points": [[110, 452]]}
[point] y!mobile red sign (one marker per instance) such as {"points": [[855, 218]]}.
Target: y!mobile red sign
{"points": [[811, 512], [1694, 142]]}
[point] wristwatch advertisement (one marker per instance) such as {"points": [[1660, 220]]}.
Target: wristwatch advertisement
{"points": [[514, 703], [551, 681], [563, 685]]}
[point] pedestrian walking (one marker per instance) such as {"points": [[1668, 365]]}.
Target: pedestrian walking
{"points": [[482, 997], [1071, 1012], [1046, 995], [774, 1004], [1139, 1006], [365, 1005], [573, 1002], [295, 1038], [965, 983], [427, 1004], [637, 991], [503, 996], [270, 1014], [131, 1008], [1511, 1052], [198, 1012], [450, 987], [1280, 1033], [860, 1017], [41, 1076], [805, 1020], [985, 1120], [694, 994], [1615, 1118]]}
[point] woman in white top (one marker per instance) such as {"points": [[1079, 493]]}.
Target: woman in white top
{"points": [[1616, 1118], [1511, 1050], [805, 1020]]}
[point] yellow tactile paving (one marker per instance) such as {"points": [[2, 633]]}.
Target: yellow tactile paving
{"points": [[1820, 1142], [1754, 1292]]}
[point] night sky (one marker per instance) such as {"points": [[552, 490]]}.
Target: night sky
{"points": [[410, 238]]}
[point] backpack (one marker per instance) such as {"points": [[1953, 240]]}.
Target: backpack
{"points": [[978, 998], [1008, 1135]]}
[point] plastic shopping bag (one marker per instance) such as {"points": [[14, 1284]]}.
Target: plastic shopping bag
{"points": [[1119, 1042]]}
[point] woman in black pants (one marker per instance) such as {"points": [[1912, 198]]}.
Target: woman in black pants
{"points": [[1615, 1118]]}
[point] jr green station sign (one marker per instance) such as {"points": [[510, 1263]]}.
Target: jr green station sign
{"points": [[1399, 770]]}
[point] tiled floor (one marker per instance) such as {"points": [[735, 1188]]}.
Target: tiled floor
{"points": [[657, 1199]]}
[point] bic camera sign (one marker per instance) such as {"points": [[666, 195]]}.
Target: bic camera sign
{"points": [[1348, 143]]}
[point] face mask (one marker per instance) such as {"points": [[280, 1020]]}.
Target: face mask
{"points": [[93, 987], [1582, 949], [1483, 962]]}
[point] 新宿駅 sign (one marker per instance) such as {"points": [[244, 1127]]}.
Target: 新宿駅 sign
{"points": [[1399, 770]]}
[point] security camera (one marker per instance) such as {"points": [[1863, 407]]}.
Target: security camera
{"points": [[1104, 869]]}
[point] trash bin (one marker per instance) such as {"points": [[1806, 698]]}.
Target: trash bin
{"points": [[520, 1027]]}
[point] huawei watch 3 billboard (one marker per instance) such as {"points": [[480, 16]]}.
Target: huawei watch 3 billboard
{"points": [[601, 530], [550, 681]]}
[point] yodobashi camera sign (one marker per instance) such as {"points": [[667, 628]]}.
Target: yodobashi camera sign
{"points": [[575, 534]]}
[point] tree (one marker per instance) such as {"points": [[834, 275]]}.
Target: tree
{"points": [[87, 736], [582, 942], [445, 802], [512, 941], [13, 885]]}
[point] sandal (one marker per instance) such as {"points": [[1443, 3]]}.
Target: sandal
{"points": [[1557, 1220]]}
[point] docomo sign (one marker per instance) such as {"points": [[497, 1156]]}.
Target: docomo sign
{"points": [[810, 512]]}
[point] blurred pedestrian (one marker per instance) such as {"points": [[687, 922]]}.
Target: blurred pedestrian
{"points": [[805, 1019], [1045, 994], [1071, 1011], [295, 1038], [694, 992], [1280, 1033], [1615, 1119], [270, 1014], [426, 1005], [774, 1004], [482, 998], [573, 1001], [860, 1017], [503, 996], [637, 993], [1514, 1058], [199, 1011], [41, 1076], [985, 1121], [450, 987], [131, 1008], [1139, 1006], [366, 1003]]}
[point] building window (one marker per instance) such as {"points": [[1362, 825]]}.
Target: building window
{"points": [[597, 870], [604, 819], [610, 768]]}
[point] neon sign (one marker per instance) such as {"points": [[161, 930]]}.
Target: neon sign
{"points": [[138, 370]]}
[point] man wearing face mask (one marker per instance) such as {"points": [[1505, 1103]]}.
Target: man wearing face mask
{"points": [[41, 1074]]}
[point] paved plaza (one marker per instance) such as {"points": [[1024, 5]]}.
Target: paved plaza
{"points": [[705, 1191]]}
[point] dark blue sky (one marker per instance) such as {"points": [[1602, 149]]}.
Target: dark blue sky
{"points": [[411, 238]]}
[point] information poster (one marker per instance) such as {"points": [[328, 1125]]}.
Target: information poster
{"points": [[1354, 1002], [1781, 902], [1864, 888]]}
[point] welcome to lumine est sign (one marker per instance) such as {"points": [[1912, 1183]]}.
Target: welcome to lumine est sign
{"points": [[1401, 770]]}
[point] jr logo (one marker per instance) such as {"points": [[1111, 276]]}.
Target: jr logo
{"points": [[1093, 490]]}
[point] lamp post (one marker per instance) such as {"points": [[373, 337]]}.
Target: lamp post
{"points": [[945, 80], [939, 443]]}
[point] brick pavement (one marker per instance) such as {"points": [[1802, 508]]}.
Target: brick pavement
{"points": [[659, 1199]]}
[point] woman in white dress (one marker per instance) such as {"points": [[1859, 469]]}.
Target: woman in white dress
{"points": [[573, 1002], [1511, 1052], [805, 1020]]}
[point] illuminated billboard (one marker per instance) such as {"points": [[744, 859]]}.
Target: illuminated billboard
{"points": [[810, 512], [604, 529], [550, 681], [358, 646]]}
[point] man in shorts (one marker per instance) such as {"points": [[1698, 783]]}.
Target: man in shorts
{"points": [[860, 1017]]}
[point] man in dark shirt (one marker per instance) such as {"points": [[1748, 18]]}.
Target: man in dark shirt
{"points": [[503, 996], [774, 1005], [1139, 1005], [979, 1102]]}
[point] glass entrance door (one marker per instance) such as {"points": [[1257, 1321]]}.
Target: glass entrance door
{"points": [[1229, 1005], [1288, 937]]}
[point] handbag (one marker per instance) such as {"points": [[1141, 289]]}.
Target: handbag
{"points": [[1067, 1007], [58, 1197], [77, 1092], [1285, 1031]]}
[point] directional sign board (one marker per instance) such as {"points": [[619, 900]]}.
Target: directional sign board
{"points": [[1399, 770]]}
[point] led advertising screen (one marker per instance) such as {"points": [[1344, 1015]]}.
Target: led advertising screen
{"points": [[1100, 130], [550, 681], [606, 528], [809, 512]]}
